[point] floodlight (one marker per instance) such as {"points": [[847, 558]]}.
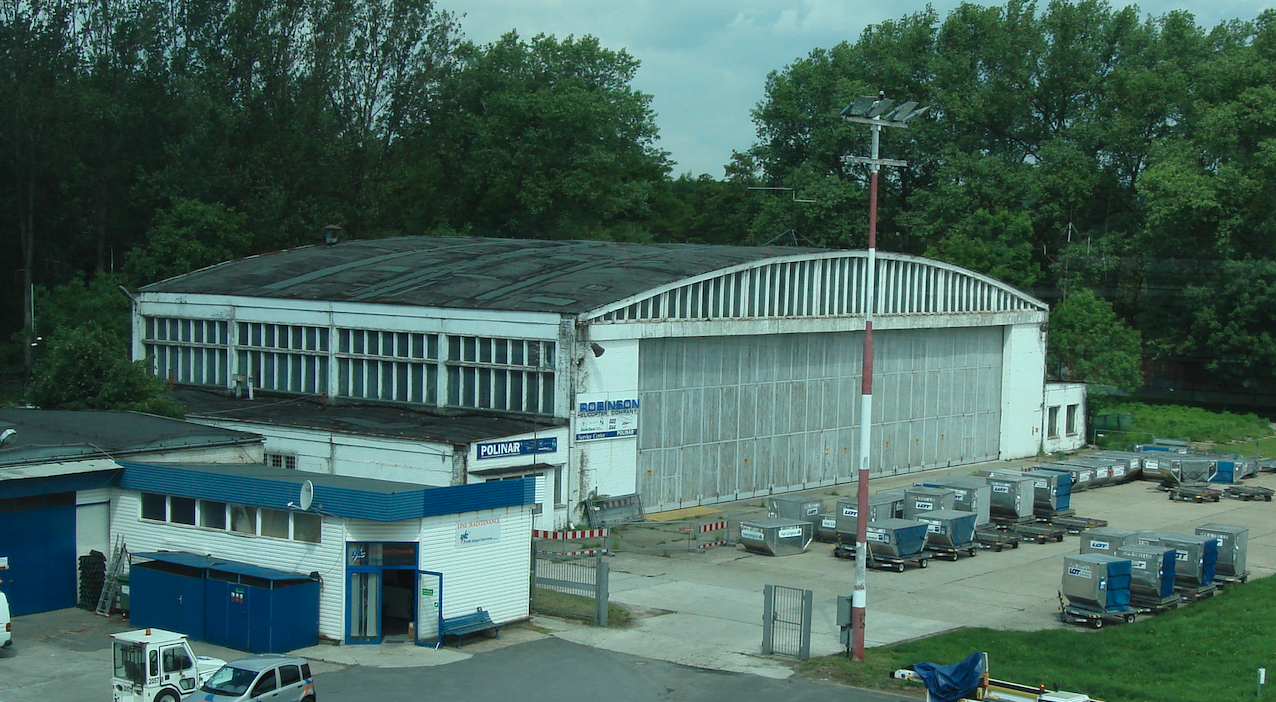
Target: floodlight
{"points": [[879, 107], [858, 107]]}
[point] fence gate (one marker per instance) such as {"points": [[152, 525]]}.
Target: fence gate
{"points": [[567, 581], [786, 621]]}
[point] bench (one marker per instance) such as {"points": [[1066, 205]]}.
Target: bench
{"points": [[464, 624]]}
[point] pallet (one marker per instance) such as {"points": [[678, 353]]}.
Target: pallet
{"points": [[1076, 525], [1231, 579], [1194, 493], [1147, 605], [1190, 594], [1249, 492], [1038, 533], [996, 540], [1071, 614]]}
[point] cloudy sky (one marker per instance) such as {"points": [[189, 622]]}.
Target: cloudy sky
{"points": [[705, 62]]}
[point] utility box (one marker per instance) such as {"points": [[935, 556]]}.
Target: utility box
{"points": [[1107, 540], [948, 528], [1151, 571], [920, 499], [1012, 495], [775, 536], [971, 493], [1233, 542], [1097, 581], [896, 538]]}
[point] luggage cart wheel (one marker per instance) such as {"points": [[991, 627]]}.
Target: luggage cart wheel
{"points": [[925, 562], [899, 567], [1129, 619], [1096, 623]]}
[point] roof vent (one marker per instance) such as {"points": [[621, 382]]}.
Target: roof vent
{"points": [[331, 233]]}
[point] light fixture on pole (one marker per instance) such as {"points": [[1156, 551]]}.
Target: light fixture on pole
{"points": [[876, 112]]}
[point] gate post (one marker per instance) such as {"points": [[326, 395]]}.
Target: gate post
{"points": [[768, 618], [601, 591], [808, 600]]}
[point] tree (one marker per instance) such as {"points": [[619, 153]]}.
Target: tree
{"points": [[87, 368], [188, 236], [1232, 321], [1088, 343]]}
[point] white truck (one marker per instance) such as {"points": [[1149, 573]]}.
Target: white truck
{"points": [[154, 665]]}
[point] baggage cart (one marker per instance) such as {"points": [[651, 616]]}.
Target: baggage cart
{"points": [[1147, 605], [1194, 492], [1249, 492], [1076, 525], [953, 552], [996, 539], [879, 562], [1039, 533]]}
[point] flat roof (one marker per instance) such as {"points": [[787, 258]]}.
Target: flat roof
{"points": [[195, 560], [468, 272], [457, 428], [48, 436]]}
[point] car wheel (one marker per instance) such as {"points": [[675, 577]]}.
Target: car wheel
{"points": [[166, 696]]}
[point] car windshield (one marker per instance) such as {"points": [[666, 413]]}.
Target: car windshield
{"points": [[128, 662], [230, 681]]}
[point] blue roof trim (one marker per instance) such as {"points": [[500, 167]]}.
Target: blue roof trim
{"points": [[194, 560], [54, 484], [374, 504]]}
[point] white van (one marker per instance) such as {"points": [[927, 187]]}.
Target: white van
{"points": [[6, 623]]}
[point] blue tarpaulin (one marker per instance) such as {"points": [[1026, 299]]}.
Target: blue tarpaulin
{"points": [[950, 683]]}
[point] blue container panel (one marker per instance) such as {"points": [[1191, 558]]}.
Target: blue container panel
{"points": [[295, 611], [40, 545], [911, 540], [963, 529], [1167, 574], [1225, 472], [164, 596]]}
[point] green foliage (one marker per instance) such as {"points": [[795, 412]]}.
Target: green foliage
{"points": [[79, 302], [1088, 343], [1169, 658], [87, 368], [993, 243], [1234, 315], [187, 236], [1179, 421]]}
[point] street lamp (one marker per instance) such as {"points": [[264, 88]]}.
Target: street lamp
{"points": [[876, 112]]}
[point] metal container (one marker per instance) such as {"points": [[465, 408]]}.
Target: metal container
{"points": [[826, 528], [803, 508], [1194, 559], [776, 536], [971, 493], [948, 528], [1190, 469], [1132, 461], [1052, 491], [1082, 476], [896, 538], [1233, 542], [920, 499], [1101, 470], [1097, 581], [1107, 540], [887, 504], [1012, 495], [1152, 463], [1151, 571]]}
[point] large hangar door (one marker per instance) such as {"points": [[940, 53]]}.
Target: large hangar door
{"points": [[727, 418]]}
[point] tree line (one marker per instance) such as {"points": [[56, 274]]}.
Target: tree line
{"points": [[1070, 148]]}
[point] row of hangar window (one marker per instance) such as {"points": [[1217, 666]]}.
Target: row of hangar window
{"points": [[246, 520], [438, 370]]}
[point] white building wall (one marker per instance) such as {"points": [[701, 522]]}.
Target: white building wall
{"points": [[1060, 397], [382, 458], [607, 466], [553, 512], [493, 575], [325, 557], [1023, 373]]}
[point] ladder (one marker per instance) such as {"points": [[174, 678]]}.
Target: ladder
{"points": [[111, 582]]}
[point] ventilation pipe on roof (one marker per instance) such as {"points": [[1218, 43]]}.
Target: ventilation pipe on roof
{"points": [[330, 234]]}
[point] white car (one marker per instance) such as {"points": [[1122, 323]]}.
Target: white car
{"points": [[6, 623], [266, 676]]}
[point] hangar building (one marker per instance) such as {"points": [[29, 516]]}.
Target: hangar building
{"points": [[689, 374]]}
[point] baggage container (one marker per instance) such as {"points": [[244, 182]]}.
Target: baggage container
{"points": [[1107, 540], [920, 499], [776, 536], [971, 493], [826, 528], [1082, 476], [1151, 571], [804, 508], [1101, 469], [1052, 491], [1097, 581], [887, 504], [896, 538], [949, 528], [1194, 559], [1132, 460], [1233, 543], [1012, 496]]}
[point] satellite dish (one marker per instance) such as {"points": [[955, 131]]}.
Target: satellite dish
{"points": [[307, 495]]}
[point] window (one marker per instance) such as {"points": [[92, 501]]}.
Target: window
{"points": [[243, 519], [274, 523], [281, 460], [181, 510], [212, 514], [289, 675], [306, 527], [1071, 420], [175, 659], [154, 507], [1052, 423], [264, 684], [193, 351]]}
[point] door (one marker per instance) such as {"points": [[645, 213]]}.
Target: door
{"points": [[429, 607], [363, 597], [178, 669]]}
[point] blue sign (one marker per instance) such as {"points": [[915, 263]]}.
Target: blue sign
{"points": [[522, 447]]}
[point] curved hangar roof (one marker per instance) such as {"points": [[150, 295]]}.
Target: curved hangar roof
{"points": [[605, 281]]}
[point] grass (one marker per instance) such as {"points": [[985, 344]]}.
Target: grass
{"points": [[579, 607], [1210, 650], [1178, 421]]}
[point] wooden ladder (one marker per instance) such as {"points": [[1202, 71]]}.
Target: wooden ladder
{"points": [[111, 582]]}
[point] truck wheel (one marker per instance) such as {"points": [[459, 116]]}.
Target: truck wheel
{"points": [[166, 696]]}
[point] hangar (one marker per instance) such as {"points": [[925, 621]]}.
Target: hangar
{"points": [[690, 374]]}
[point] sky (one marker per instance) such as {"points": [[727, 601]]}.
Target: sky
{"points": [[705, 62]]}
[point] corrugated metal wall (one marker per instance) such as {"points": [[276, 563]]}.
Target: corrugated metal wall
{"points": [[492, 575], [726, 418]]}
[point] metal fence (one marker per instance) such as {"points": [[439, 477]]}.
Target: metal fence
{"points": [[569, 576], [786, 621], [691, 535]]}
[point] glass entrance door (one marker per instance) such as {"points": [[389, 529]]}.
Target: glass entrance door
{"points": [[363, 595], [429, 607]]}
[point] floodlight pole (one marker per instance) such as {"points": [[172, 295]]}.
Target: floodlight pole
{"points": [[876, 113]]}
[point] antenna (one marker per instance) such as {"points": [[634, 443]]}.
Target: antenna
{"points": [[307, 495]]}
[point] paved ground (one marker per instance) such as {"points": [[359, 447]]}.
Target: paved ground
{"points": [[698, 610]]}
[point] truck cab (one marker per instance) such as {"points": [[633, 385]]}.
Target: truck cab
{"points": [[154, 665]]}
